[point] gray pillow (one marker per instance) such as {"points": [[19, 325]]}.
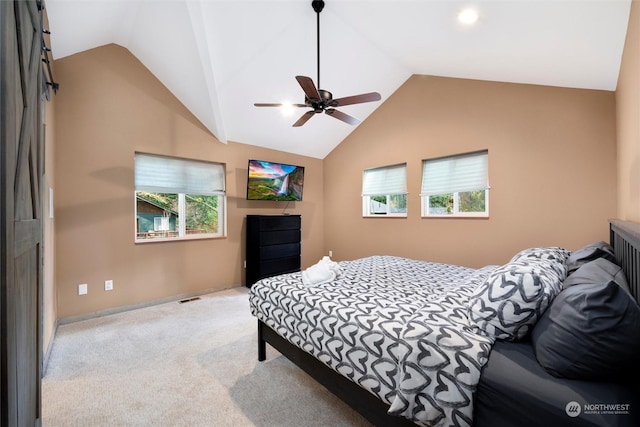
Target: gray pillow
{"points": [[600, 270], [591, 331], [588, 253]]}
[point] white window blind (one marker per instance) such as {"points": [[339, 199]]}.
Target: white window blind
{"points": [[466, 172], [159, 174], [386, 180]]}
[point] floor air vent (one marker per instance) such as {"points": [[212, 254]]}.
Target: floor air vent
{"points": [[182, 301]]}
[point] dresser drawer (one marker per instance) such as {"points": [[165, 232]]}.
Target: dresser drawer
{"points": [[280, 251], [278, 266], [277, 222], [279, 237]]}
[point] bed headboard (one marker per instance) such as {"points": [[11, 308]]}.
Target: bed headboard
{"points": [[625, 240]]}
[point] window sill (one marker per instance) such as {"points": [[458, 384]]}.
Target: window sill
{"points": [[384, 216], [455, 216], [179, 239]]}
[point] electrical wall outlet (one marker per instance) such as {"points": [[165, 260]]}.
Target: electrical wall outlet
{"points": [[330, 254], [82, 289], [108, 285]]}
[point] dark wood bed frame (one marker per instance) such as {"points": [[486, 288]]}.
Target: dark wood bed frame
{"points": [[624, 238]]}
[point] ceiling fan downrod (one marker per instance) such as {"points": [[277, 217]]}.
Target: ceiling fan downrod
{"points": [[318, 5]]}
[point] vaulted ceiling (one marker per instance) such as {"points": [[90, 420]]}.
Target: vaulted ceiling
{"points": [[219, 57]]}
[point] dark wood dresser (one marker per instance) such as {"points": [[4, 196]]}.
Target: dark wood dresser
{"points": [[273, 246]]}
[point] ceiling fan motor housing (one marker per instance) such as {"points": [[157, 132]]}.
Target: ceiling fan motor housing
{"points": [[325, 95], [319, 105]]}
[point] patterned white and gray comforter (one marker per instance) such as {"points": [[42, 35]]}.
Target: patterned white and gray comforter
{"points": [[397, 327]]}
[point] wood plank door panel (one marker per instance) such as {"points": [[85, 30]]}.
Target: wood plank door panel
{"points": [[20, 213]]}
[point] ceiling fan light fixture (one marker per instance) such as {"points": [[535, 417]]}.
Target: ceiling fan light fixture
{"points": [[468, 16], [287, 109]]}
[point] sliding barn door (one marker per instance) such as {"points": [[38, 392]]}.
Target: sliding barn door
{"points": [[20, 212]]}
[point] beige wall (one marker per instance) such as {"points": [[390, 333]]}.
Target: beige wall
{"points": [[110, 107], [552, 170], [628, 122]]}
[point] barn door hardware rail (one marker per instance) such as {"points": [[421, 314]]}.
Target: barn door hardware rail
{"points": [[46, 51]]}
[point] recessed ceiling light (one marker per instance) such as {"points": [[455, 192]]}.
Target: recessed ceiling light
{"points": [[468, 16]]}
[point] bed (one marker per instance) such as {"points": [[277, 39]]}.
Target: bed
{"points": [[550, 338]]}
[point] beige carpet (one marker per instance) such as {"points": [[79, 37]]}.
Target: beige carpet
{"points": [[190, 364]]}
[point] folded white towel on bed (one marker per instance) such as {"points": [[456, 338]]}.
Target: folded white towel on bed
{"points": [[323, 271]]}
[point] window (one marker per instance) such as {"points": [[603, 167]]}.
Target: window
{"points": [[178, 198], [456, 185], [384, 191]]}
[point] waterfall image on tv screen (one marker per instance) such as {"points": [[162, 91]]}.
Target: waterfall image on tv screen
{"points": [[274, 181]]}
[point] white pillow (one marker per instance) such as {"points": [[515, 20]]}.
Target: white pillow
{"points": [[514, 296]]}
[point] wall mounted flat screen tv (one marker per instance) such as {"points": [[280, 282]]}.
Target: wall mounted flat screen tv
{"points": [[274, 181]]}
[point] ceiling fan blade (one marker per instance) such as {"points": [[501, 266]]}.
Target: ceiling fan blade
{"points": [[259, 104], [302, 120], [266, 104], [356, 99], [342, 116], [308, 87]]}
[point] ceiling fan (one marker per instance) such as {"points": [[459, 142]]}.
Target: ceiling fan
{"points": [[320, 100]]}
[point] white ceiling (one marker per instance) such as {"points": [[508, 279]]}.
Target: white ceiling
{"points": [[220, 56]]}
